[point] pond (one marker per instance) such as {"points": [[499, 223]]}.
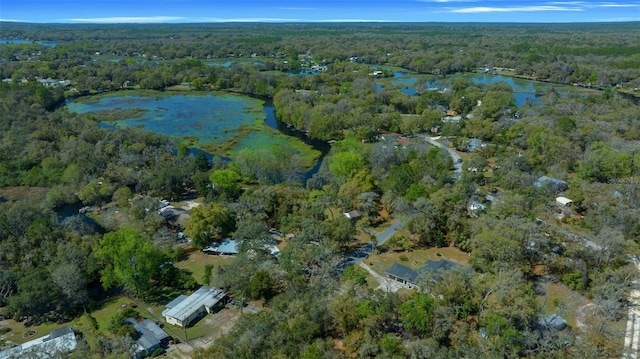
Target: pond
{"points": [[206, 118], [219, 123], [223, 63], [21, 41]]}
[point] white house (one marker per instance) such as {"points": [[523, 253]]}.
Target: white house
{"points": [[183, 310], [563, 201]]}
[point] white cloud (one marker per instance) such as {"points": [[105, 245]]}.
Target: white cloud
{"points": [[127, 19], [592, 5], [474, 10], [618, 5], [11, 20]]}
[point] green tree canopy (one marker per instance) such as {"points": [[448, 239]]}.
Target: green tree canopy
{"points": [[209, 222], [417, 312], [225, 181], [345, 164], [129, 260]]}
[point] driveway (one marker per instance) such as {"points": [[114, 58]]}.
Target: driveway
{"points": [[388, 232], [365, 250], [385, 284]]}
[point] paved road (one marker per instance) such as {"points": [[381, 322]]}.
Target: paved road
{"points": [[632, 335], [388, 232], [455, 157]]}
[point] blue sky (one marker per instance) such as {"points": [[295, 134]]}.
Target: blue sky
{"points": [[184, 11]]}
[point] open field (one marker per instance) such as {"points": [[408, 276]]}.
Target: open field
{"points": [[198, 260], [416, 258]]}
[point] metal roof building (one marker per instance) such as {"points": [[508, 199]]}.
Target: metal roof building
{"points": [[183, 310], [227, 246], [58, 342]]}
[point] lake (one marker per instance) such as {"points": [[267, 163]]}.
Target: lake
{"points": [[219, 123], [209, 118], [19, 41]]}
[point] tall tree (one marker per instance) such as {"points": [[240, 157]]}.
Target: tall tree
{"points": [[129, 260], [211, 221], [417, 313]]}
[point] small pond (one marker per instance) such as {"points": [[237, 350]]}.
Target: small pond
{"points": [[21, 41], [223, 63]]}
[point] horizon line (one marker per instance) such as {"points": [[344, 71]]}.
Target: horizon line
{"points": [[295, 21]]}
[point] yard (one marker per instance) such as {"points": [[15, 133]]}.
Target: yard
{"points": [[17, 333], [197, 260], [416, 258], [559, 299]]}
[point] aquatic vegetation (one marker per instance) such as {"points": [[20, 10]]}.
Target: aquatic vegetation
{"points": [[219, 123]]}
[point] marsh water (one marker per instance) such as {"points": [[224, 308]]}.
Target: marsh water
{"points": [[203, 120], [207, 118], [22, 42]]}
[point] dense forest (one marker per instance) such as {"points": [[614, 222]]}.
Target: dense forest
{"points": [[517, 239]]}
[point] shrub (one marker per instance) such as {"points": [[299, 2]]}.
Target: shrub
{"points": [[356, 274]]}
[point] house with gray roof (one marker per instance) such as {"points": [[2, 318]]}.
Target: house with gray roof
{"points": [[150, 336], [227, 246], [184, 309], [353, 215], [403, 274], [553, 184], [431, 270], [552, 322]]}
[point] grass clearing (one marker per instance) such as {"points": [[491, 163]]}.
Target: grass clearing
{"points": [[562, 300], [15, 193], [20, 334], [197, 260], [416, 258]]}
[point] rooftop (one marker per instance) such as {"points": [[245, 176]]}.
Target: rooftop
{"points": [[563, 201], [61, 340], [227, 246], [205, 296], [151, 335], [403, 272]]}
